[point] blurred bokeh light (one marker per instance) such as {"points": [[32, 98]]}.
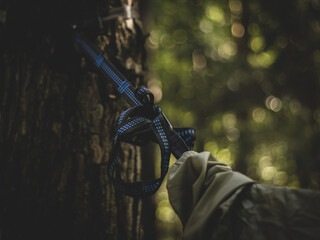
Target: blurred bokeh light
{"points": [[246, 76]]}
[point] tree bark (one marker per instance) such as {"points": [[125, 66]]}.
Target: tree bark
{"points": [[57, 118]]}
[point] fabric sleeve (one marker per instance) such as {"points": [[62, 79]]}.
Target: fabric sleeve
{"points": [[269, 212], [213, 202], [197, 185]]}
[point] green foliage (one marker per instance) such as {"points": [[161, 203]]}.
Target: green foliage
{"points": [[245, 75]]}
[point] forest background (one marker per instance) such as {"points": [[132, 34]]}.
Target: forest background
{"points": [[246, 76], [244, 73]]}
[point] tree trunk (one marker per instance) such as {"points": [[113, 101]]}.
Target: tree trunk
{"points": [[57, 118]]}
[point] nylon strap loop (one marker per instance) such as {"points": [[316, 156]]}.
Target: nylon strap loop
{"points": [[133, 126]]}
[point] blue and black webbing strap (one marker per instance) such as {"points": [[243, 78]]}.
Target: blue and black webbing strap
{"points": [[108, 70], [138, 125]]}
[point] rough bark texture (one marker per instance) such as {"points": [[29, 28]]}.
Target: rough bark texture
{"points": [[57, 117]]}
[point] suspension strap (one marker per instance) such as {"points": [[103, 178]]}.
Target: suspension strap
{"points": [[108, 70], [138, 125]]}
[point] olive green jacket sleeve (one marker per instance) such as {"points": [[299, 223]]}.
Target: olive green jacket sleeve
{"points": [[213, 202], [197, 184]]}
